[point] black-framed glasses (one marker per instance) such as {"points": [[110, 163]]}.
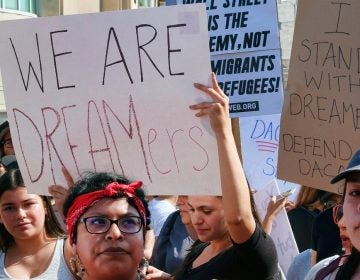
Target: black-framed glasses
{"points": [[101, 224], [337, 213]]}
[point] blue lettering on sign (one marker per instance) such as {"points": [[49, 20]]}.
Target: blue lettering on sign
{"points": [[272, 168], [266, 131]]}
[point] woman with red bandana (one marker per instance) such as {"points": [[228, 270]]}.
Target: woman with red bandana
{"points": [[107, 218]]}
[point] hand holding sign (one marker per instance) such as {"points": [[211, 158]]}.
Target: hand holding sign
{"points": [[60, 193]]}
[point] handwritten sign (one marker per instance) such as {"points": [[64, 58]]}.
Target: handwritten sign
{"points": [[245, 54], [259, 142], [281, 230], [320, 124], [110, 91]]}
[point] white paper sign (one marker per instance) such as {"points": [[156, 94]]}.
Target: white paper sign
{"points": [[241, 26], [110, 91], [281, 230], [252, 80], [259, 145], [245, 54]]}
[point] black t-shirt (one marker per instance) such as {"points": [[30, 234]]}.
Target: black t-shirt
{"points": [[301, 220], [326, 236], [255, 259]]}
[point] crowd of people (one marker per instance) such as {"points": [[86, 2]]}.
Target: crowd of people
{"points": [[104, 226]]}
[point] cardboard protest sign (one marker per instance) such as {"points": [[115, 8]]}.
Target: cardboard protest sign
{"points": [[245, 54], [259, 141], [281, 231], [110, 91], [320, 123]]}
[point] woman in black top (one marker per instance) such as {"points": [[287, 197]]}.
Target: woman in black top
{"points": [[233, 245]]}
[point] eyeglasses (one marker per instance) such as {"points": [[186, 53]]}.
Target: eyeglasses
{"points": [[337, 213], [7, 142], [100, 224]]}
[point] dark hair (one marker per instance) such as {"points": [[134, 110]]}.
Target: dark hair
{"points": [[309, 197], [94, 181], [4, 128], [254, 210], [12, 180], [348, 269]]}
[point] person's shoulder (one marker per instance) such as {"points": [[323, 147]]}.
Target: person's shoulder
{"points": [[300, 265], [2, 258], [319, 266], [170, 222]]}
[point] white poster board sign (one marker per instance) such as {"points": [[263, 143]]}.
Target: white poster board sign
{"points": [[86, 93], [241, 26], [259, 145], [245, 54], [281, 230], [252, 80]]}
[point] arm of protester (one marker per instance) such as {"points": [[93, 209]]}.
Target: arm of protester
{"points": [[149, 244], [290, 205], [273, 209], [313, 257], [60, 193], [235, 190]]}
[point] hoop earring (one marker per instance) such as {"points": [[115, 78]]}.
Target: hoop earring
{"points": [[76, 266]]}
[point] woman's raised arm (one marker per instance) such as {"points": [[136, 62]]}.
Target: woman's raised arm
{"points": [[235, 191]]}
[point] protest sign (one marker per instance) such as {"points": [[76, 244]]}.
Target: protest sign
{"points": [[111, 91], [245, 54], [320, 122], [281, 231], [259, 141], [240, 26], [252, 80]]}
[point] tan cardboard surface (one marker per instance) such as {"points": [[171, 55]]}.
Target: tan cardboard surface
{"points": [[320, 124]]}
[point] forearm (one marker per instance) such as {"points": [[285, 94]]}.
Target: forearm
{"points": [[267, 224], [149, 244], [235, 191]]}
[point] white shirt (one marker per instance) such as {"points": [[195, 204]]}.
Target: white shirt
{"points": [[159, 210], [57, 268]]}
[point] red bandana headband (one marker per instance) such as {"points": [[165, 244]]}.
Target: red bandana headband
{"points": [[85, 201]]}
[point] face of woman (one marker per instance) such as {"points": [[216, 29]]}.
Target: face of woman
{"points": [[22, 214], [184, 209], [8, 146], [351, 208], [110, 255], [345, 241], [207, 217]]}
